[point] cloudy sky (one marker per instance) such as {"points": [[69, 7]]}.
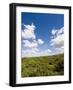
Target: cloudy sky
{"points": [[42, 34]]}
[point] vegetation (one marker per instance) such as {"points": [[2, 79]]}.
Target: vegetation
{"points": [[42, 66]]}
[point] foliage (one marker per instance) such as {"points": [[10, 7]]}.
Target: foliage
{"points": [[42, 66]]}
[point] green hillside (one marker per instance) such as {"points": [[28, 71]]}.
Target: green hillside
{"points": [[42, 66]]}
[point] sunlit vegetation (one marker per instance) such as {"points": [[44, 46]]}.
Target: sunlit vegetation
{"points": [[42, 66]]}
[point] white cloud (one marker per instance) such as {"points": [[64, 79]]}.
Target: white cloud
{"points": [[28, 44], [30, 27], [32, 44], [49, 50], [35, 52], [46, 52], [30, 52], [54, 32], [59, 50], [60, 31], [58, 41], [31, 48], [28, 32], [40, 41], [57, 31], [35, 49]]}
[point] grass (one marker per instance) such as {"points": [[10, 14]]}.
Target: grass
{"points": [[42, 66]]}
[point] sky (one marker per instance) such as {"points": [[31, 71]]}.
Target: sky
{"points": [[42, 34]]}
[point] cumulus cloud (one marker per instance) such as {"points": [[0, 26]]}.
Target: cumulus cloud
{"points": [[35, 49], [49, 50], [40, 41], [30, 27], [59, 50], [30, 52], [32, 44], [60, 31], [58, 41], [28, 32], [54, 32], [28, 44]]}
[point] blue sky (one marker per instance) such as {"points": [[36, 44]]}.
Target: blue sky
{"points": [[47, 27]]}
